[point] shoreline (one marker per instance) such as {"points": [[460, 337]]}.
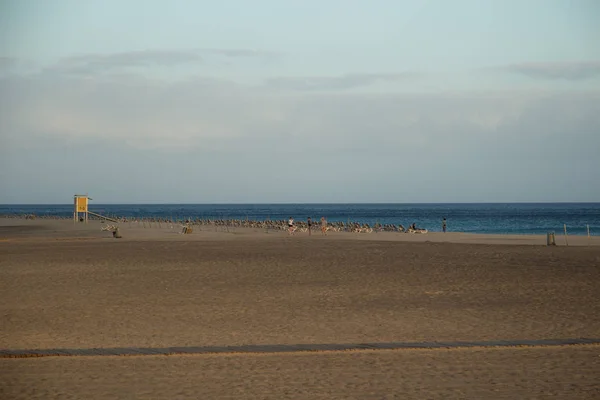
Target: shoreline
{"points": [[20, 229], [336, 224], [360, 225]]}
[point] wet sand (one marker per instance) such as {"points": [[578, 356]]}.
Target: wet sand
{"points": [[66, 285]]}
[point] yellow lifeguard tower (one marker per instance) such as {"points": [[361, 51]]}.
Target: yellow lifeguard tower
{"points": [[81, 207], [81, 212]]}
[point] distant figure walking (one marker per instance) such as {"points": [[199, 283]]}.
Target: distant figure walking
{"points": [[323, 226], [291, 227], [444, 225], [309, 223]]}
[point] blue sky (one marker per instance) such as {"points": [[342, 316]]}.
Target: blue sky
{"points": [[288, 101]]}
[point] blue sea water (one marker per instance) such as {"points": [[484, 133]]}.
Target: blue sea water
{"points": [[509, 218]]}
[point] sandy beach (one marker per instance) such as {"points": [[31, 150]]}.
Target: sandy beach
{"points": [[67, 285]]}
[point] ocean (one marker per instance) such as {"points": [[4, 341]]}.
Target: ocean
{"points": [[508, 218]]}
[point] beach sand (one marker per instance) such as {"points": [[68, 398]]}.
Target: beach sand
{"points": [[66, 285], [512, 373]]}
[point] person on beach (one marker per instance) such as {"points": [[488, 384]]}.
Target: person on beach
{"points": [[291, 226], [309, 223], [444, 225], [323, 226]]}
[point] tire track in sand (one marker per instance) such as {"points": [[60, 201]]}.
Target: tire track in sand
{"points": [[291, 348]]}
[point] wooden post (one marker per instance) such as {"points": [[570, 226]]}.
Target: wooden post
{"points": [[566, 238]]}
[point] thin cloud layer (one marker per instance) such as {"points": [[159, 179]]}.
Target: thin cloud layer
{"points": [[7, 63], [343, 82], [146, 112], [243, 53], [92, 63], [567, 71], [103, 63]]}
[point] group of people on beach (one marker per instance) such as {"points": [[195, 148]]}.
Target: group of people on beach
{"points": [[292, 227], [324, 227]]}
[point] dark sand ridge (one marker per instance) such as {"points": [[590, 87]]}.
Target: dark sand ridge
{"points": [[288, 348], [508, 373], [217, 288]]}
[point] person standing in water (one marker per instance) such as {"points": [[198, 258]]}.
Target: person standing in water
{"points": [[291, 226], [444, 225]]}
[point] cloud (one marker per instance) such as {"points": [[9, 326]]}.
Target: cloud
{"points": [[7, 63], [237, 142], [224, 116], [343, 82], [91, 63], [102, 63], [571, 71], [218, 140], [243, 53]]}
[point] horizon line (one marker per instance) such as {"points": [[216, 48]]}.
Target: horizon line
{"points": [[311, 203]]}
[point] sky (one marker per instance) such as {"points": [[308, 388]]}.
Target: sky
{"points": [[280, 101]]}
